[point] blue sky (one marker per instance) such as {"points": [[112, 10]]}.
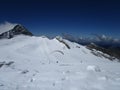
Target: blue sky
{"points": [[76, 17]]}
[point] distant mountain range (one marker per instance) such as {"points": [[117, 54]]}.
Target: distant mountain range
{"points": [[97, 39], [103, 43]]}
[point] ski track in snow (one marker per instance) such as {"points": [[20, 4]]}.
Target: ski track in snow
{"points": [[43, 64]]}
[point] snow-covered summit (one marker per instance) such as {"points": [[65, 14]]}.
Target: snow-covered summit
{"points": [[9, 30]]}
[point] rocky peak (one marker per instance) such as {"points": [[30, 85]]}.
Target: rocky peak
{"points": [[17, 30]]}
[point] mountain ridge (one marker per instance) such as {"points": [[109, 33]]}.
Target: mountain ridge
{"points": [[19, 29], [39, 63]]}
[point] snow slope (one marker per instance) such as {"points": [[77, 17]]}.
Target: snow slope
{"points": [[6, 27], [37, 63]]}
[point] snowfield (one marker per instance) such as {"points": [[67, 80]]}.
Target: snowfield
{"points": [[38, 63]]}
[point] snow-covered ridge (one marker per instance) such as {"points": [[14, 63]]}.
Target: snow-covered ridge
{"points": [[39, 63]]}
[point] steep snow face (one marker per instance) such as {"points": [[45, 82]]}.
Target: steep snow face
{"points": [[37, 63], [6, 26]]}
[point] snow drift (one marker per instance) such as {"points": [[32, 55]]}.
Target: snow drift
{"points": [[39, 63]]}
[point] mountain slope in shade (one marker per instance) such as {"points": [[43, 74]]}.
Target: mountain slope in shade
{"points": [[39, 63], [113, 52]]}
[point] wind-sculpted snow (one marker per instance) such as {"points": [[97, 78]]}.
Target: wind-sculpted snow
{"points": [[38, 63]]}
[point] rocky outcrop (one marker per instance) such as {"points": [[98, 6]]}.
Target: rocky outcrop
{"points": [[62, 41], [113, 52], [17, 30]]}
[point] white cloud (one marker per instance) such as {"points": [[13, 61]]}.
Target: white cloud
{"points": [[6, 26]]}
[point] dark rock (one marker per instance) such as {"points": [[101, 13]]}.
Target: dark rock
{"points": [[9, 63], [17, 30], [62, 41], [5, 63], [112, 52], [1, 64], [25, 71]]}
